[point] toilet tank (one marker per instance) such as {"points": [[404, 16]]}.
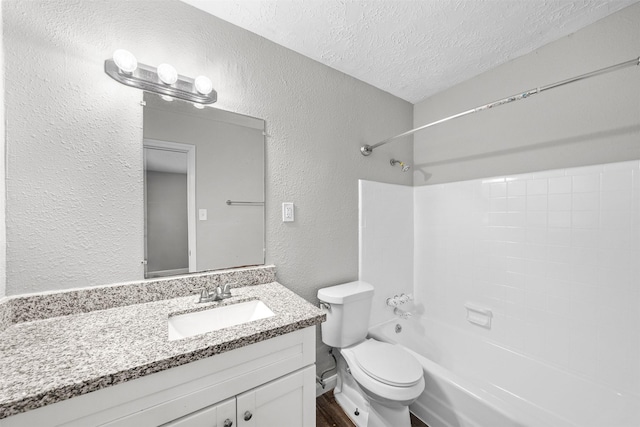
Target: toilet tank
{"points": [[348, 317]]}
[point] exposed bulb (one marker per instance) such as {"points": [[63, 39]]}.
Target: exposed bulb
{"points": [[166, 98], [203, 85], [198, 106], [125, 61], [167, 73]]}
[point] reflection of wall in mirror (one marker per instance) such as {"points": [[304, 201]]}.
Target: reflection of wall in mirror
{"points": [[229, 165]]}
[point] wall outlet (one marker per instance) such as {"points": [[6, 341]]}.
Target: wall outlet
{"points": [[202, 214], [287, 212]]}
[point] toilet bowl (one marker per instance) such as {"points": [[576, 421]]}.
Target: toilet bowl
{"points": [[377, 381]]}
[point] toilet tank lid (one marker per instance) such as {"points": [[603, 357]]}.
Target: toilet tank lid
{"points": [[346, 292]]}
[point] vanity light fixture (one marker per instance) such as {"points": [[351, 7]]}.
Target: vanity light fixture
{"points": [[168, 75], [125, 61], [164, 80], [203, 85]]}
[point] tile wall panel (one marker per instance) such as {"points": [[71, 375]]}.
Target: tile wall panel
{"points": [[386, 243], [555, 255]]}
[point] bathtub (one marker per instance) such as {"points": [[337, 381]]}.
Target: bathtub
{"points": [[472, 382]]}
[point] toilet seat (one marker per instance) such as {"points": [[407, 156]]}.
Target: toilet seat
{"points": [[381, 390], [387, 363]]}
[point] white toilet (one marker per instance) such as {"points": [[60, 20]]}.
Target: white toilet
{"points": [[377, 381]]}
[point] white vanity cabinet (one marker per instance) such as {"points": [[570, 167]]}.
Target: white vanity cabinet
{"points": [[267, 384], [221, 415], [282, 402]]}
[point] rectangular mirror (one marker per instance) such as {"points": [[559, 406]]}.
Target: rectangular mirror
{"points": [[203, 188]]}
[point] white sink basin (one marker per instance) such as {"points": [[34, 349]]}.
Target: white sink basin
{"points": [[200, 322]]}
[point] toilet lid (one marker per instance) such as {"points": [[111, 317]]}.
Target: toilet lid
{"points": [[387, 363]]}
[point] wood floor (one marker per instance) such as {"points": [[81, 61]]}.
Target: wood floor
{"points": [[329, 413]]}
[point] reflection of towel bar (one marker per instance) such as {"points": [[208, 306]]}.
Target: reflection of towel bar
{"points": [[234, 202]]}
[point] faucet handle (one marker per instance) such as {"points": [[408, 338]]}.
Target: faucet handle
{"points": [[226, 290], [204, 293]]}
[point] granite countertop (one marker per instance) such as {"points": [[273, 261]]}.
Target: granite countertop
{"points": [[50, 360]]}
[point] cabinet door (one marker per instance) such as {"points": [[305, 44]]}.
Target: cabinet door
{"points": [[222, 414], [288, 401]]}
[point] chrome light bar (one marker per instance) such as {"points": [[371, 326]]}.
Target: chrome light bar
{"points": [[147, 78]]}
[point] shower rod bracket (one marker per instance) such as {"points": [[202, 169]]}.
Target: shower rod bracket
{"points": [[367, 149]]}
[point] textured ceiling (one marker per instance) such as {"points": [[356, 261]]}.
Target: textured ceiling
{"points": [[410, 48]]}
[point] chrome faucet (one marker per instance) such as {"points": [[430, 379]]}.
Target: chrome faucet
{"points": [[218, 294]]}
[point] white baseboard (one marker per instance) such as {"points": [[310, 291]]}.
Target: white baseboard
{"points": [[329, 384]]}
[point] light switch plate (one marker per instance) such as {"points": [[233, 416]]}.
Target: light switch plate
{"points": [[287, 212], [202, 214]]}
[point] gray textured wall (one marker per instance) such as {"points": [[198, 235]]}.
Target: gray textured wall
{"points": [[74, 181], [3, 236], [590, 122]]}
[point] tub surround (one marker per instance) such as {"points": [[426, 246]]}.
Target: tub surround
{"points": [[553, 254], [53, 359]]}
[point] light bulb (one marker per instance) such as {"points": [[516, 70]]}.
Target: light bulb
{"points": [[203, 85], [125, 61], [168, 75], [198, 106], [166, 98]]}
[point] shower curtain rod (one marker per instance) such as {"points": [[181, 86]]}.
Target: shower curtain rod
{"points": [[368, 149]]}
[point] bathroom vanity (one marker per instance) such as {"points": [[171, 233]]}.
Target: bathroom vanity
{"points": [[118, 367]]}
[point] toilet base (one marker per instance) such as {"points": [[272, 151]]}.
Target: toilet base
{"points": [[370, 413], [352, 408]]}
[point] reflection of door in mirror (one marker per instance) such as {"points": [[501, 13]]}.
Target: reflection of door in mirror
{"points": [[169, 176]]}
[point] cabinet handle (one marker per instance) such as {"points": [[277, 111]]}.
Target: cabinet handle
{"points": [[227, 423], [247, 415]]}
